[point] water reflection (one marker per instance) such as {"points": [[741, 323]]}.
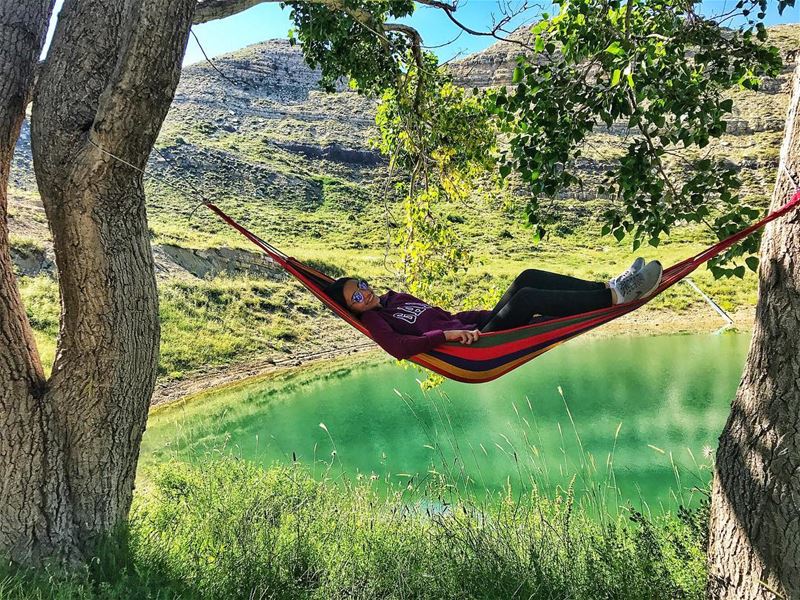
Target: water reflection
{"points": [[645, 406]]}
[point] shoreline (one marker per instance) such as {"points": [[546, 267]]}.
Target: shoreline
{"points": [[643, 324]]}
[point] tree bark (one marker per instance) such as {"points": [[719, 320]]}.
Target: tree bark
{"points": [[211, 10], [33, 511], [754, 548], [69, 447]]}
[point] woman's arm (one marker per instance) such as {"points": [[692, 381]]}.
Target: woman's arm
{"points": [[397, 344]]}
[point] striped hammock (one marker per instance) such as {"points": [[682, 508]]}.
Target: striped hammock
{"points": [[497, 353]]}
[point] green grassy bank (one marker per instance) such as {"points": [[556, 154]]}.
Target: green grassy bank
{"points": [[232, 530]]}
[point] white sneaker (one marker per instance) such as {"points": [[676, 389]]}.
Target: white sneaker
{"points": [[640, 284], [658, 269], [635, 267]]}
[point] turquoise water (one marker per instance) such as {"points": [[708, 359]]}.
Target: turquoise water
{"points": [[623, 419]]}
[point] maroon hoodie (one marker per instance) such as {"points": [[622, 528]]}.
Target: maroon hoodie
{"points": [[404, 325]]}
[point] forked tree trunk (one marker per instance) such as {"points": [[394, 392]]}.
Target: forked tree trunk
{"points": [[754, 549], [69, 448]]}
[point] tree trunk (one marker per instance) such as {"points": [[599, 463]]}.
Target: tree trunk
{"points": [[68, 449], [754, 549], [32, 487]]}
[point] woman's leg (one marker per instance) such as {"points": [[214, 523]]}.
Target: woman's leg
{"points": [[543, 280], [529, 302]]}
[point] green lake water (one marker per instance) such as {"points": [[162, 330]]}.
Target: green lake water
{"points": [[630, 419]]}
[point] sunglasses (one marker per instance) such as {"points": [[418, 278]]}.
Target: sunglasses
{"points": [[357, 295]]}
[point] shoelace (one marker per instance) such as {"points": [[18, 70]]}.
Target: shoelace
{"points": [[624, 275], [629, 284], [628, 272]]}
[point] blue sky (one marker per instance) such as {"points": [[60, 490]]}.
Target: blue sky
{"points": [[269, 21]]}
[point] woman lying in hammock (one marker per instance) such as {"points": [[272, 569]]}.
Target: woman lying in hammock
{"points": [[404, 325]]}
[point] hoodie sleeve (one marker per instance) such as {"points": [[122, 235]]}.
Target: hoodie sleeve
{"points": [[473, 316], [398, 345]]}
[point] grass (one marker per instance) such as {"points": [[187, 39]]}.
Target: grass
{"points": [[26, 244], [40, 297], [232, 530], [236, 318], [225, 528]]}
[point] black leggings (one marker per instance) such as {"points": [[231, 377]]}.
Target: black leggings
{"points": [[537, 292]]}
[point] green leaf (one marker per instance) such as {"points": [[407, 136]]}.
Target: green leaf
{"points": [[739, 271], [518, 75], [540, 27], [538, 45], [615, 77], [615, 48], [752, 263]]}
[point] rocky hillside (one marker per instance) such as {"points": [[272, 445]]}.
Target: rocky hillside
{"points": [[296, 163], [264, 137]]}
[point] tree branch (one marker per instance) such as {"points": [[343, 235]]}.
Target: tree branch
{"points": [[416, 49], [449, 10], [211, 10], [134, 94]]}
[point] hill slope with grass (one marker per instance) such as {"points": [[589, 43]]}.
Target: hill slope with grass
{"points": [[295, 165]]}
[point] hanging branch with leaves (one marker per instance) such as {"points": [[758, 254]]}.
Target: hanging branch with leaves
{"points": [[658, 70]]}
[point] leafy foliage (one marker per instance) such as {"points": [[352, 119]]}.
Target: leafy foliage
{"points": [[436, 136], [657, 69], [443, 139], [347, 39]]}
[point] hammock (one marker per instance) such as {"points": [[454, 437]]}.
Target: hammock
{"points": [[497, 353]]}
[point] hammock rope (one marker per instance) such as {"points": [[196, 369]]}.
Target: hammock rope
{"points": [[497, 353]]}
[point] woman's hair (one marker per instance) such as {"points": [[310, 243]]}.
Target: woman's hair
{"points": [[335, 291]]}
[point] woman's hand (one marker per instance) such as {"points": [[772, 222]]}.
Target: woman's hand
{"points": [[465, 336]]}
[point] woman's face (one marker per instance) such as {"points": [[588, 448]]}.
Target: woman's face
{"points": [[359, 297]]}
